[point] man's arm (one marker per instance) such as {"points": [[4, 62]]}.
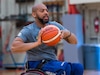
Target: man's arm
{"points": [[18, 44], [69, 37]]}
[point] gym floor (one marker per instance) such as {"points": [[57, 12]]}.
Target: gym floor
{"points": [[17, 72]]}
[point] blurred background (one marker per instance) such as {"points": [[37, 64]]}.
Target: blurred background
{"points": [[82, 17]]}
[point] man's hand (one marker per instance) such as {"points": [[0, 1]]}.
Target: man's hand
{"points": [[64, 33], [39, 41], [68, 36]]}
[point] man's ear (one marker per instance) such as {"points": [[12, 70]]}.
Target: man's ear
{"points": [[33, 14]]}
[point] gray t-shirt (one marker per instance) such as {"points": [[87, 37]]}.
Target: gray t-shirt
{"points": [[29, 34]]}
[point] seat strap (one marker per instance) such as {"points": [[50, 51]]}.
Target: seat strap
{"points": [[42, 63]]}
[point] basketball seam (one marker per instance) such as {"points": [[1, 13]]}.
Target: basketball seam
{"points": [[48, 35], [47, 41]]}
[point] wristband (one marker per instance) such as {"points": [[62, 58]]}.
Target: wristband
{"points": [[68, 35]]}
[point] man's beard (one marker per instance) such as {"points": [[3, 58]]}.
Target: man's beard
{"points": [[43, 21]]}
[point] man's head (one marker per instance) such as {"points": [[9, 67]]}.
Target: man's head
{"points": [[40, 13]]}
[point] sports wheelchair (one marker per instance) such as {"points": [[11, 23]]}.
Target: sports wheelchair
{"points": [[38, 71]]}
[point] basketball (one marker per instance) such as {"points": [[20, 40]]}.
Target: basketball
{"points": [[51, 35]]}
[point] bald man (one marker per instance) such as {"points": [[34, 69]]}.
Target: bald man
{"points": [[38, 52]]}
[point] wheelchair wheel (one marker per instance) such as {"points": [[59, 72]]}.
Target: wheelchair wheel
{"points": [[34, 72]]}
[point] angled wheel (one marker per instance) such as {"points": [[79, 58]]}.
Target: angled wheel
{"points": [[34, 72]]}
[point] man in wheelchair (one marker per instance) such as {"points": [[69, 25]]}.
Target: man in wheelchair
{"points": [[39, 54]]}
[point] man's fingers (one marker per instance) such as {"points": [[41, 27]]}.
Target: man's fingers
{"points": [[62, 34]]}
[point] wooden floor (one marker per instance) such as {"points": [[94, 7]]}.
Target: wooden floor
{"points": [[10, 72], [91, 72], [17, 72]]}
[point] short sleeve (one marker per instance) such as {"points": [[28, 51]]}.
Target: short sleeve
{"points": [[23, 34]]}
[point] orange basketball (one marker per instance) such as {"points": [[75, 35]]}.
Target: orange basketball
{"points": [[51, 35]]}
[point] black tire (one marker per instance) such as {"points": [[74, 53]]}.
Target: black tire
{"points": [[34, 72]]}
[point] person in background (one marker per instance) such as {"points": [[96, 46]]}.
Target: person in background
{"points": [[29, 40]]}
